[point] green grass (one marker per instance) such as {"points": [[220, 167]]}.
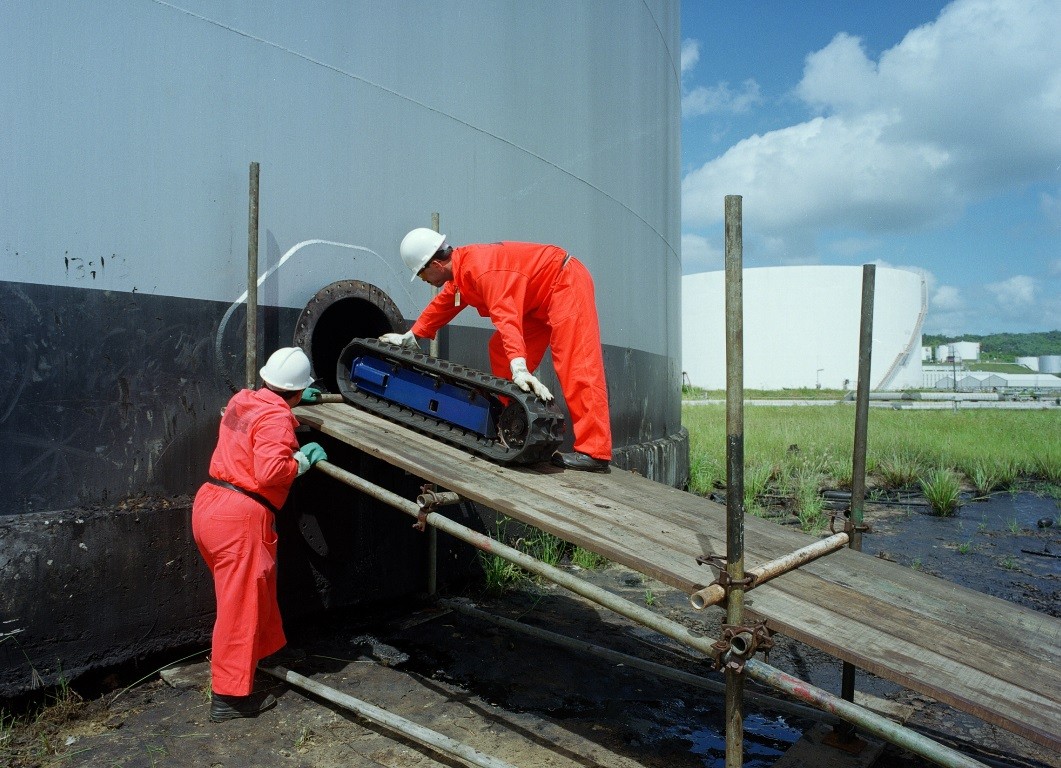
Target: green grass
{"points": [[546, 547], [985, 448], [583, 558], [943, 491], [997, 367], [499, 573], [800, 393]]}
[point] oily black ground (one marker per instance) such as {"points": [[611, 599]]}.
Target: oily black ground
{"points": [[532, 703]]}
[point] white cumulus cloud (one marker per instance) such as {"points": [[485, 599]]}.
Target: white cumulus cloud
{"points": [[690, 54], [716, 99], [1019, 290], [960, 109], [947, 298]]}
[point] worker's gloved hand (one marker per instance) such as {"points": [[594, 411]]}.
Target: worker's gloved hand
{"points": [[310, 395], [308, 455], [406, 340], [526, 381]]}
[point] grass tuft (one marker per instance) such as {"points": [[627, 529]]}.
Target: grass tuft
{"points": [[591, 561], [943, 491]]}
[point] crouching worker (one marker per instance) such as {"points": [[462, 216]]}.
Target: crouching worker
{"points": [[538, 297], [256, 460]]}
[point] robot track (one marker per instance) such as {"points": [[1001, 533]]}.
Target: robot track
{"points": [[471, 410]]}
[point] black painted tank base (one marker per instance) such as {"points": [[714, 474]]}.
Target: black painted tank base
{"points": [[110, 413], [109, 408]]}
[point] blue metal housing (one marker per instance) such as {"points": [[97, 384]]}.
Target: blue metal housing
{"points": [[425, 394]]}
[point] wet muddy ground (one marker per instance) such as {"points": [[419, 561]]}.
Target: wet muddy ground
{"points": [[532, 703]]}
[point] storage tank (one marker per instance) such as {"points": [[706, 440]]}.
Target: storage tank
{"points": [[1031, 363], [944, 352], [1049, 364], [969, 351], [129, 134], [801, 328]]}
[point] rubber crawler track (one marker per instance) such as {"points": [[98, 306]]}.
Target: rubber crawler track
{"points": [[545, 421]]}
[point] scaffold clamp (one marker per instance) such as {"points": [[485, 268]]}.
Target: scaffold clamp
{"points": [[739, 643], [849, 524], [724, 579]]}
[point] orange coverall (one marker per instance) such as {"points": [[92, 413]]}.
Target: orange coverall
{"points": [[537, 297], [235, 533]]}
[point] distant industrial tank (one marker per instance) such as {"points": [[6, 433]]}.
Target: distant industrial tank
{"points": [[1050, 364], [801, 328], [965, 351], [1030, 362], [129, 132]]}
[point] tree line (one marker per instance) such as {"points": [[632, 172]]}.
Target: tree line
{"points": [[1004, 346]]}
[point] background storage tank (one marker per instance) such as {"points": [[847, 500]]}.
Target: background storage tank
{"points": [[966, 351], [801, 328], [129, 130], [1050, 364]]}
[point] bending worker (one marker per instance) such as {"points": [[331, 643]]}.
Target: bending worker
{"points": [[538, 297], [256, 460]]}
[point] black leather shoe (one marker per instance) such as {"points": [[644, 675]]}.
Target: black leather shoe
{"points": [[582, 461], [285, 657], [230, 707]]}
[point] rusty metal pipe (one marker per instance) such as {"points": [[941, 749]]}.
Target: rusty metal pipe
{"points": [[714, 594], [741, 643], [389, 720], [858, 455], [868, 721], [438, 499], [600, 596], [734, 467]]}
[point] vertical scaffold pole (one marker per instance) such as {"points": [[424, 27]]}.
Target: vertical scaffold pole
{"points": [[858, 458], [432, 532], [734, 469], [251, 375]]}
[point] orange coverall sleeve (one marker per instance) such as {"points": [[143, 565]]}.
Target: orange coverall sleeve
{"points": [[439, 311], [273, 463]]}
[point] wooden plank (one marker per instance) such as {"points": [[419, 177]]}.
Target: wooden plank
{"points": [[980, 654]]}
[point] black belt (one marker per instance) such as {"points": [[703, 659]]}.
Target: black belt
{"points": [[249, 494]]}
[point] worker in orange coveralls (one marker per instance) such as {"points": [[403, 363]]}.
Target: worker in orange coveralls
{"points": [[538, 297], [256, 460]]}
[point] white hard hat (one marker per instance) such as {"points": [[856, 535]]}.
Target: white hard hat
{"points": [[419, 246], [287, 369]]}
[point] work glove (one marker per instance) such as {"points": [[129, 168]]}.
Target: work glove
{"points": [[310, 395], [523, 379], [307, 456], [405, 340]]}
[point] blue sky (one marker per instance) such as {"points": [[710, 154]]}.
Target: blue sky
{"points": [[915, 134]]}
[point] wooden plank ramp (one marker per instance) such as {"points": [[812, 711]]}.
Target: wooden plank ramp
{"points": [[982, 655]]}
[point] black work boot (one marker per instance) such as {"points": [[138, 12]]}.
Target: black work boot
{"points": [[285, 657], [230, 707], [582, 461]]}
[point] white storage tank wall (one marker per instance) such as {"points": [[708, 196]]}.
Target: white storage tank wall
{"points": [[1031, 363], [801, 328], [966, 350], [1049, 364]]}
